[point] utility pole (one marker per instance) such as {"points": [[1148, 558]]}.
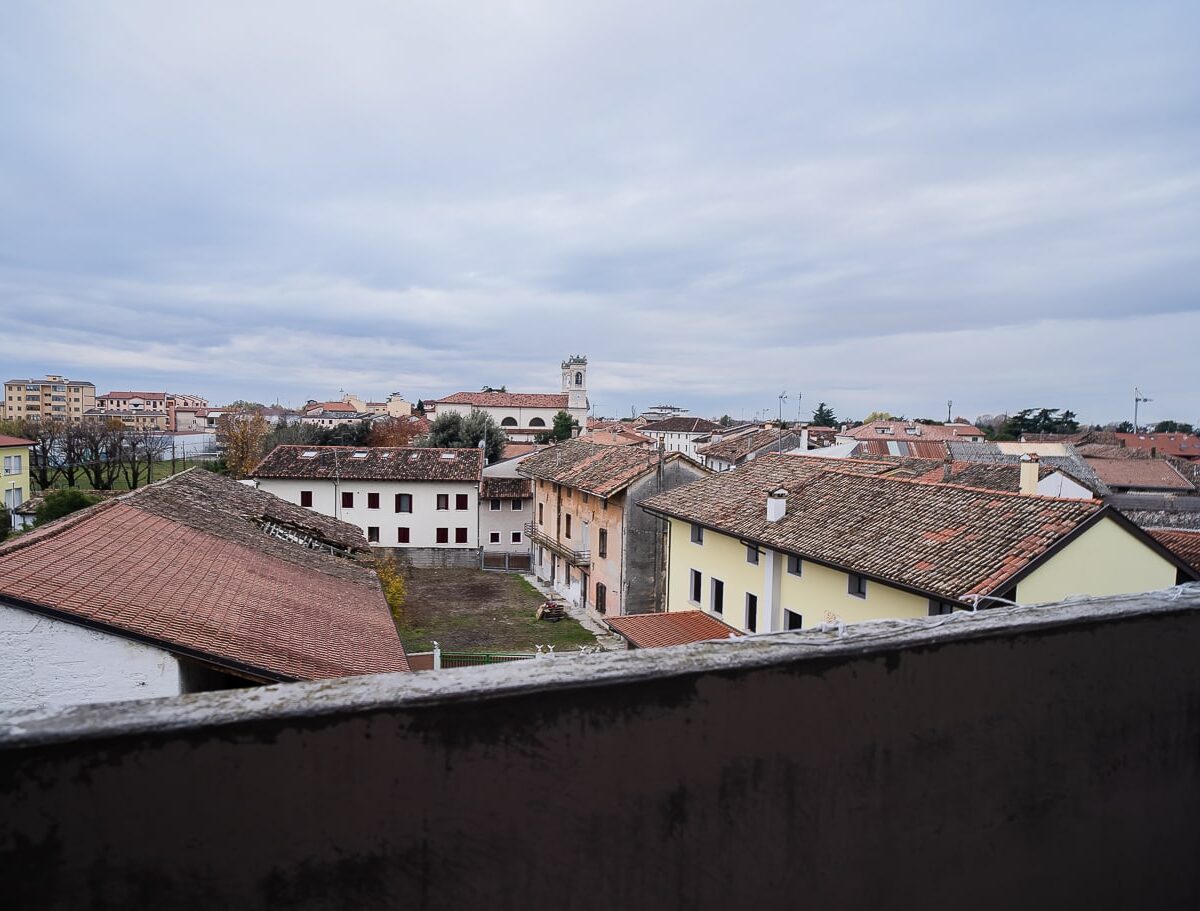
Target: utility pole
{"points": [[1137, 398], [782, 399]]}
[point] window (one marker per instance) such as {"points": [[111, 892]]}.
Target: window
{"points": [[937, 608], [306, 498], [443, 536], [697, 534], [461, 501], [578, 378], [603, 544], [570, 493], [792, 620], [601, 597], [751, 612], [541, 556], [509, 422], [443, 501], [404, 502], [516, 505], [752, 554], [696, 578], [494, 505], [14, 497], [372, 501], [402, 535], [718, 596], [12, 464], [494, 537], [516, 537], [460, 536], [795, 565], [540, 506], [568, 525], [373, 534], [856, 585], [347, 499], [537, 422]]}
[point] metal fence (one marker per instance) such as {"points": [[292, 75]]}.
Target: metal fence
{"points": [[499, 561]]}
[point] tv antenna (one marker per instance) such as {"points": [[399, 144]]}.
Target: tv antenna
{"points": [[1138, 398]]}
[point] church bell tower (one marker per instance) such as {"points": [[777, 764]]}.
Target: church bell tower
{"points": [[574, 384]]}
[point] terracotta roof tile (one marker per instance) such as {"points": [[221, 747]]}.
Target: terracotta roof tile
{"points": [[593, 467], [505, 399], [505, 488], [1142, 474], [680, 425], [1180, 445], [908, 430], [187, 563], [673, 628], [940, 539], [738, 445], [1183, 543], [15, 441], [377, 463]]}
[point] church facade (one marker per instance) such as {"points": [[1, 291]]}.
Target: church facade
{"points": [[524, 415]]}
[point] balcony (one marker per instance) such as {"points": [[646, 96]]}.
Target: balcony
{"points": [[534, 532], [899, 764]]}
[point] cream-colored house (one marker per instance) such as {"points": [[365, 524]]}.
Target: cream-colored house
{"points": [[788, 542]]}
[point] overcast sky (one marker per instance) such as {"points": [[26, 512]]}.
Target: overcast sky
{"points": [[878, 205]]}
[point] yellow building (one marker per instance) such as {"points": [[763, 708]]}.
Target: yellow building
{"points": [[54, 398], [14, 457], [788, 542]]}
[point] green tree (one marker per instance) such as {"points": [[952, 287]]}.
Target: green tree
{"points": [[5, 522], [1173, 427], [563, 428], [454, 431], [1039, 420], [824, 416], [1124, 427], [725, 420], [354, 434], [879, 416], [59, 503]]}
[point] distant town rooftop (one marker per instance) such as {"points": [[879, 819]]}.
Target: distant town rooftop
{"points": [[371, 463]]}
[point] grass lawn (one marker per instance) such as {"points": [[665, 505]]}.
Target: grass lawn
{"points": [[161, 470], [476, 611]]}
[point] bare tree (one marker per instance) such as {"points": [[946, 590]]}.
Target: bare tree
{"points": [[101, 444], [140, 449]]}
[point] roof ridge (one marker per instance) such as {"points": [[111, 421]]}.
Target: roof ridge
{"points": [[986, 490]]}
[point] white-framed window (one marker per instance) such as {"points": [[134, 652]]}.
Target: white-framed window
{"points": [[494, 504], [752, 554], [795, 566], [12, 464], [516, 505], [697, 534], [856, 585], [494, 537], [516, 537], [696, 586]]}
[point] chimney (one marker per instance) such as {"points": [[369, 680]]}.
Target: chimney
{"points": [[776, 504], [947, 468], [804, 438], [1029, 474]]}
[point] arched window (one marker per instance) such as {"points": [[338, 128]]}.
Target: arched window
{"points": [[578, 378], [509, 422], [537, 422]]}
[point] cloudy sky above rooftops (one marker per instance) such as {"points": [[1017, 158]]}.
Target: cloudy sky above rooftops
{"points": [[879, 205]]}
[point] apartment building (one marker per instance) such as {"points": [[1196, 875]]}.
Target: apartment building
{"points": [[52, 398], [588, 538], [156, 410], [679, 434], [422, 501], [787, 542]]}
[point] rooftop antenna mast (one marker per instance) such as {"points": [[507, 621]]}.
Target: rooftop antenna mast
{"points": [[1138, 398], [949, 408], [782, 399]]}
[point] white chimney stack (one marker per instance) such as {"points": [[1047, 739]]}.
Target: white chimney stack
{"points": [[1029, 474], [776, 504]]}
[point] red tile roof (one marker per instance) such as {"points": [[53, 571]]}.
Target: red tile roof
{"points": [[1183, 543], [505, 399], [593, 467], [15, 441], [939, 539], [187, 563], [377, 463], [618, 438], [921, 449], [1140, 474], [1180, 445], [908, 430], [133, 395], [672, 628], [505, 488], [680, 425]]}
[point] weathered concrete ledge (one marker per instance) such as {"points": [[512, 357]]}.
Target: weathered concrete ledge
{"points": [[1045, 756], [383, 691]]}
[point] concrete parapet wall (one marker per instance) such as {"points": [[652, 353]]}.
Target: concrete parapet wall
{"points": [[1044, 757]]}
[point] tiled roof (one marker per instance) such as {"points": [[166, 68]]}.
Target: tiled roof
{"points": [[901, 430], [618, 438], [1141, 474], [1002, 476], [187, 563], [50, 382], [1180, 445], [680, 425], [1072, 464], [512, 450], [15, 441], [939, 539], [593, 467], [1183, 544], [505, 399], [378, 463], [672, 628], [922, 449], [505, 488], [730, 449]]}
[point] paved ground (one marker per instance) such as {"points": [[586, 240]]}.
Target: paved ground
{"points": [[473, 610], [605, 639]]}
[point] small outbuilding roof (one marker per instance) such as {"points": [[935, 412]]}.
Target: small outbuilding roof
{"points": [[670, 628]]}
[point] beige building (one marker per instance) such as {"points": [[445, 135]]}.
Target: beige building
{"points": [[53, 398], [148, 409], [788, 542]]}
